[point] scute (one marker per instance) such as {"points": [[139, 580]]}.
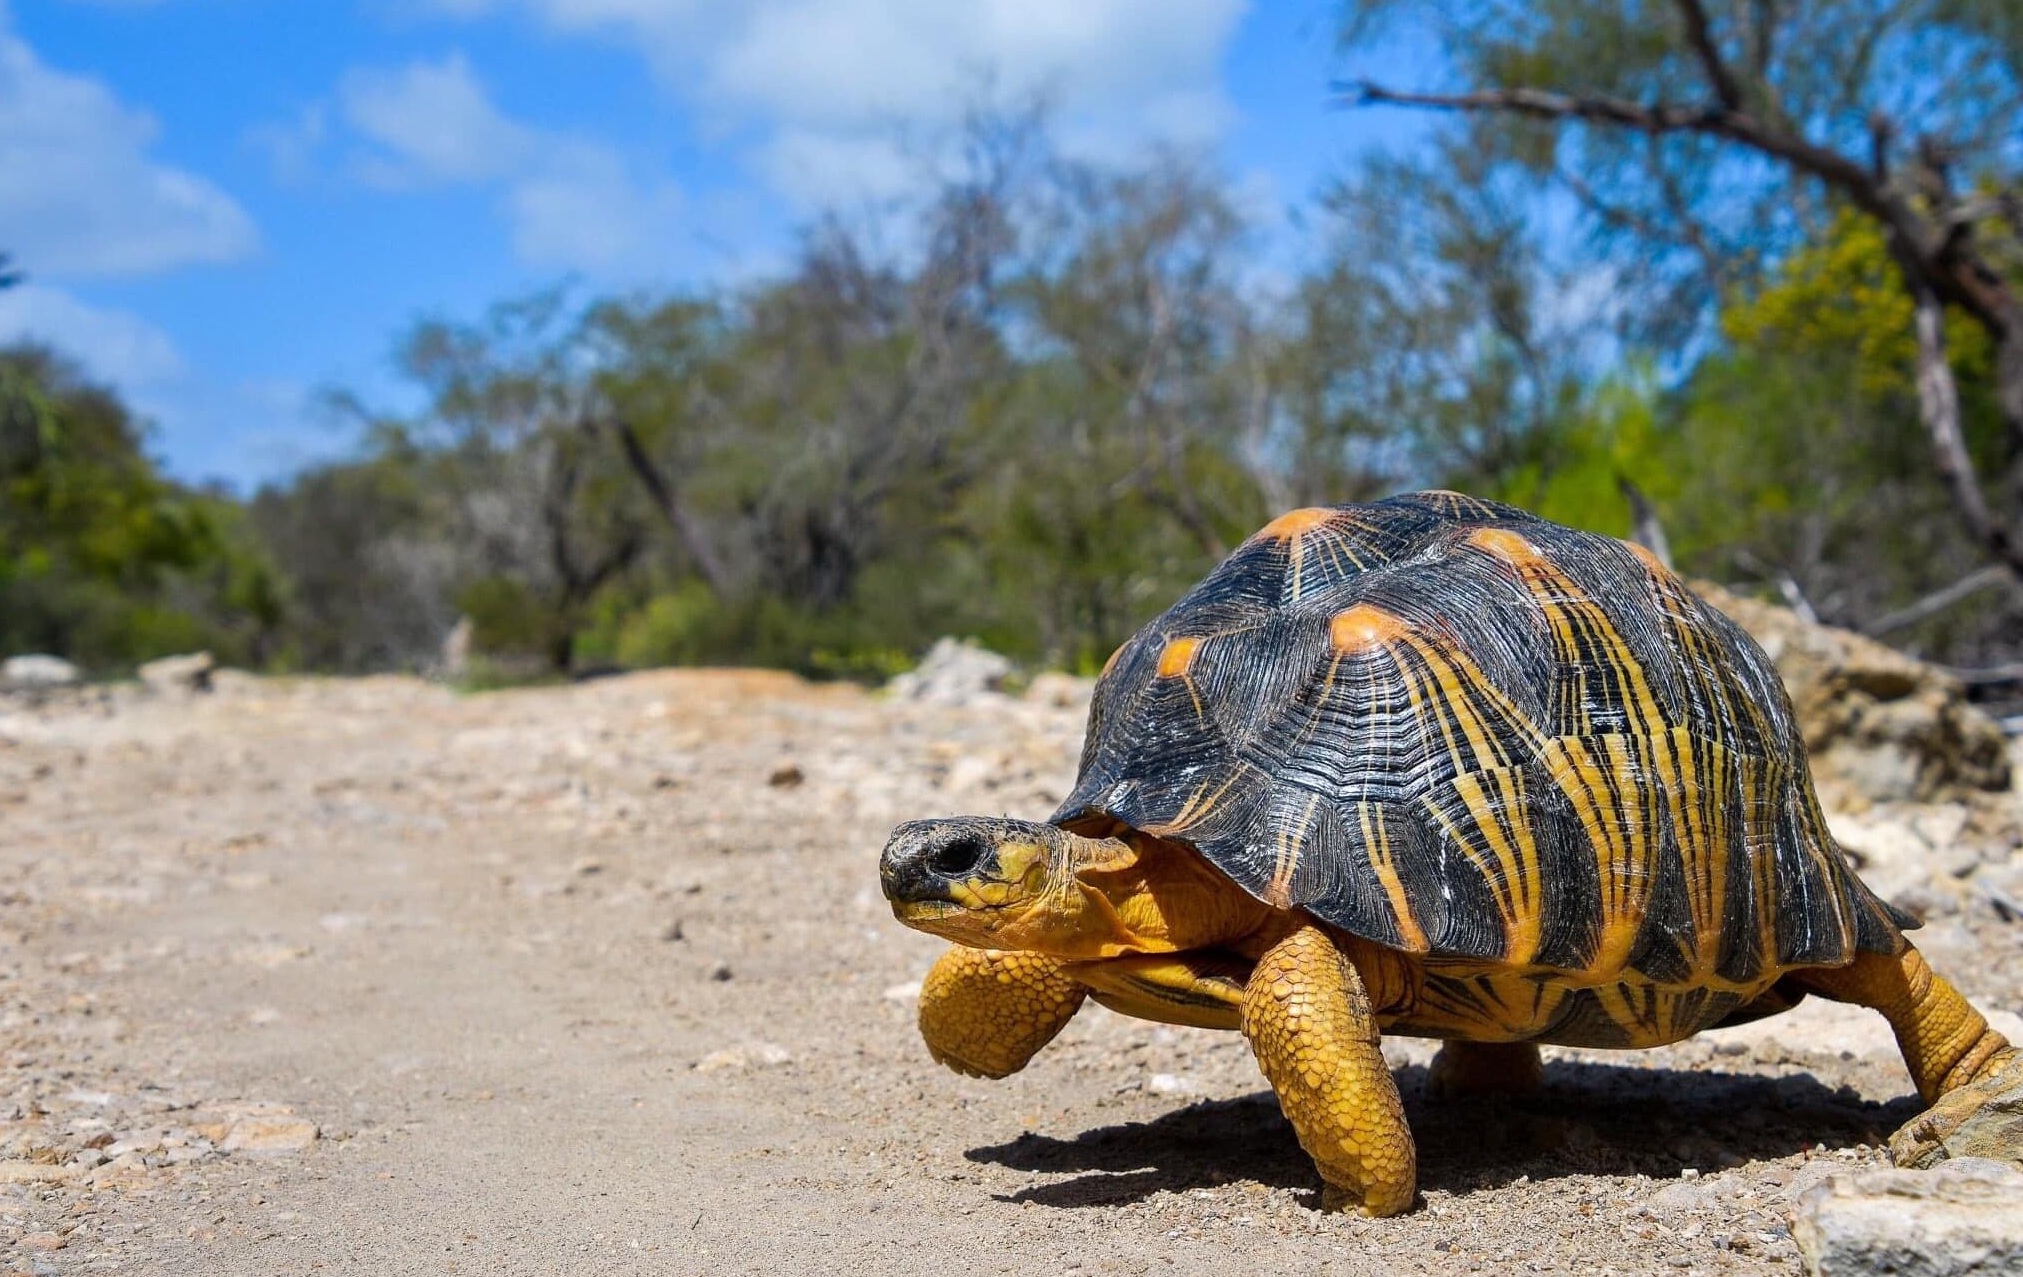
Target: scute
{"points": [[1456, 729]]}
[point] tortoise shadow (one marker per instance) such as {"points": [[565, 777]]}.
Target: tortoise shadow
{"points": [[1591, 1119]]}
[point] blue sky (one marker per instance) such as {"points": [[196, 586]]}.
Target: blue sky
{"points": [[226, 206]]}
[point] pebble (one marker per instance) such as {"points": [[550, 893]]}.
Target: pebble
{"points": [[907, 992], [259, 1136], [763, 1055], [38, 670], [31, 1172]]}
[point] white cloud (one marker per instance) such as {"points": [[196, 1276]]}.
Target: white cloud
{"points": [[861, 62], [432, 122], [581, 209], [827, 82], [571, 202], [115, 346], [79, 193]]}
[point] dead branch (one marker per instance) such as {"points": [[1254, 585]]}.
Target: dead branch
{"points": [[680, 519], [1645, 528], [1936, 257], [1702, 40], [1939, 409], [1938, 601]]}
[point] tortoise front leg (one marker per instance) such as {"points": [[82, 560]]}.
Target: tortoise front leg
{"points": [[1310, 1025], [986, 1012]]}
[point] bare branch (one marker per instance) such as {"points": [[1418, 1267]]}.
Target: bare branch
{"points": [[1991, 675], [1881, 131], [1939, 407], [1787, 585], [1934, 257], [1645, 527], [679, 517], [1735, 126], [1702, 40], [1938, 601]]}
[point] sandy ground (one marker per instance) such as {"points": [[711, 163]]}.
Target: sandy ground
{"points": [[367, 977]]}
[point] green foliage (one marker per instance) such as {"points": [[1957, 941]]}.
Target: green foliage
{"points": [[1074, 390], [1616, 438], [101, 559]]}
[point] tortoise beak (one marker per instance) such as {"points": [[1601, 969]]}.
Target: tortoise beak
{"points": [[929, 862]]}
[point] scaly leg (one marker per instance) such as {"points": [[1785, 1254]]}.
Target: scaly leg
{"points": [[1945, 1041], [986, 1012], [1310, 1025], [1967, 1072], [1485, 1068]]}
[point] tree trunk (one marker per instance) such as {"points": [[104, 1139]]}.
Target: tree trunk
{"points": [[1939, 409], [680, 519]]}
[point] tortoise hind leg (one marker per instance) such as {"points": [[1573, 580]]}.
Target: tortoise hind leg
{"points": [[1309, 1022], [1967, 1072], [1945, 1041], [1464, 1069]]}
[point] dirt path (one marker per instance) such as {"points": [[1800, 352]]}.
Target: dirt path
{"points": [[366, 977]]}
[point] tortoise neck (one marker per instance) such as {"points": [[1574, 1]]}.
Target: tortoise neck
{"points": [[1167, 898]]}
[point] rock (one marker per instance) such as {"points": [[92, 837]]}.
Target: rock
{"points": [[1983, 1121], [954, 672], [907, 992], [720, 972], [1959, 1219], [972, 772], [1912, 855], [37, 670], [1879, 724], [1061, 691], [2002, 888], [1814, 1028], [455, 657], [764, 1055], [33, 1172], [178, 674], [269, 1136], [785, 776]]}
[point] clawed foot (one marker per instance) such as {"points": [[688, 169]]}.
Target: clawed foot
{"points": [[1337, 1200], [1981, 1119]]}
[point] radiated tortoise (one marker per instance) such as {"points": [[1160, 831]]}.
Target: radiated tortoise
{"points": [[1429, 766]]}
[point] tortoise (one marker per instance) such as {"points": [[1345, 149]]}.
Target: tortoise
{"points": [[1429, 766]]}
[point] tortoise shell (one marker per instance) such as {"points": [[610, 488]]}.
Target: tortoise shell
{"points": [[1456, 729]]}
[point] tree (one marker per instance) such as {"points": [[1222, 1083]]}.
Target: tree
{"points": [[1667, 116], [102, 559]]}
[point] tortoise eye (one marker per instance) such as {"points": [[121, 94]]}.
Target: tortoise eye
{"points": [[958, 857]]}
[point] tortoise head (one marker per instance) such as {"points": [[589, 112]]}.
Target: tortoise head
{"points": [[995, 883]]}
